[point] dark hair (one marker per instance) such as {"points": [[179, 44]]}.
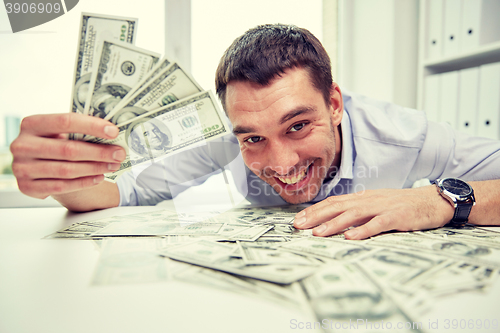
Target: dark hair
{"points": [[266, 51]]}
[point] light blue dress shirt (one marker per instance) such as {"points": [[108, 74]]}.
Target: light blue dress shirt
{"points": [[383, 146]]}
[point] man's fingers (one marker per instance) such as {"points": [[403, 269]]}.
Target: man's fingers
{"points": [[67, 150], [375, 226], [354, 216], [328, 209], [44, 187], [49, 125], [40, 169]]}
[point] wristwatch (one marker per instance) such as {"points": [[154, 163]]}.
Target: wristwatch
{"points": [[460, 195]]}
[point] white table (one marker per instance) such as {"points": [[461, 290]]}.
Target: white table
{"points": [[45, 287]]}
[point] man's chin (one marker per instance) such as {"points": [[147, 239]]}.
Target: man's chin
{"points": [[298, 198]]}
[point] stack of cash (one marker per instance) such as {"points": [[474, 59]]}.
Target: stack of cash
{"points": [[157, 105], [394, 277]]}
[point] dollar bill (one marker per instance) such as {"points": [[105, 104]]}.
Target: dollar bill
{"points": [[131, 260], [264, 256], [468, 234], [200, 251], [119, 67], [273, 215], [220, 257], [340, 292], [160, 65], [251, 234], [327, 247], [171, 84], [454, 276], [93, 28], [471, 252], [231, 229], [291, 296], [173, 128], [132, 228], [81, 230]]}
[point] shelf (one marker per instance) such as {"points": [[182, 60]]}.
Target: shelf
{"points": [[484, 55]]}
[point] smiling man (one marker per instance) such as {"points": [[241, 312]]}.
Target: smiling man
{"points": [[302, 141], [288, 134]]}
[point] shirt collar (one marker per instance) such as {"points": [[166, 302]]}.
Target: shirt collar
{"points": [[346, 157]]}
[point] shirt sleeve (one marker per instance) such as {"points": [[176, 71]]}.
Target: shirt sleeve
{"points": [[166, 178], [449, 153]]}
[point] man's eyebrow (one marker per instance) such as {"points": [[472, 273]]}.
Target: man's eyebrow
{"points": [[290, 115], [242, 130], [295, 113]]}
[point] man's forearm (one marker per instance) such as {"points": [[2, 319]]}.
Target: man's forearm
{"points": [[104, 195], [487, 208]]}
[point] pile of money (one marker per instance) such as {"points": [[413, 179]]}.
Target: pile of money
{"points": [[158, 107], [394, 277]]}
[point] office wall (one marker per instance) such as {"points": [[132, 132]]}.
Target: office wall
{"points": [[216, 23], [378, 45]]}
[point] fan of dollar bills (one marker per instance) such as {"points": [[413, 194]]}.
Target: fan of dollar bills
{"points": [[158, 106]]}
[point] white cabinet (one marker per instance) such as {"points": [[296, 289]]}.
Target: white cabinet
{"points": [[459, 64]]}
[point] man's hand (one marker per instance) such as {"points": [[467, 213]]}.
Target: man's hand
{"points": [[47, 163], [376, 211]]}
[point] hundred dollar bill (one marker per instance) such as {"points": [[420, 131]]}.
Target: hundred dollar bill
{"points": [[170, 129], [200, 250], [159, 67], [119, 67], [172, 84], [325, 247], [131, 260], [261, 256], [132, 228], [251, 234], [93, 28], [340, 292], [220, 257], [468, 234], [470, 252], [272, 215]]}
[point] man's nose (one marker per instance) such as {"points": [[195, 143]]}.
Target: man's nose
{"points": [[283, 157]]}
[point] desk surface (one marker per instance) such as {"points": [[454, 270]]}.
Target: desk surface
{"points": [[45, 287]]}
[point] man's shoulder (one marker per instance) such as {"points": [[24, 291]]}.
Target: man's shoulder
{"points": [[385, 122]]}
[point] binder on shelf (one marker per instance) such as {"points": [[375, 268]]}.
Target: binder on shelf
{"points": [[435, 32], [489, 101], [448, 103], [490, 22], [451, 37], [431, 97], [467, 102], [471, 24]]}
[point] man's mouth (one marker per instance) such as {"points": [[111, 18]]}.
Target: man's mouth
{"points": [[296, 181]]}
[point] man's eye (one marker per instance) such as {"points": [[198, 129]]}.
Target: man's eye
{"points": [[254, 139], [297, 127]]}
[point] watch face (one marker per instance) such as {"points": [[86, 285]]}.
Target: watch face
{"points": [[456, 186]]}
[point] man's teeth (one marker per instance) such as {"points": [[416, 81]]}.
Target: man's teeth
{"points": [[294, 179]]}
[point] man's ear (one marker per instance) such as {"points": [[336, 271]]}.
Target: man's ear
{"points": [[336, 104]]}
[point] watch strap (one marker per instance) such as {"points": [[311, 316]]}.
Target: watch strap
{"points": [[462, 211]]}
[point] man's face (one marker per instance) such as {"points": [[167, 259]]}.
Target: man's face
{"points": [[288, 136]]}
